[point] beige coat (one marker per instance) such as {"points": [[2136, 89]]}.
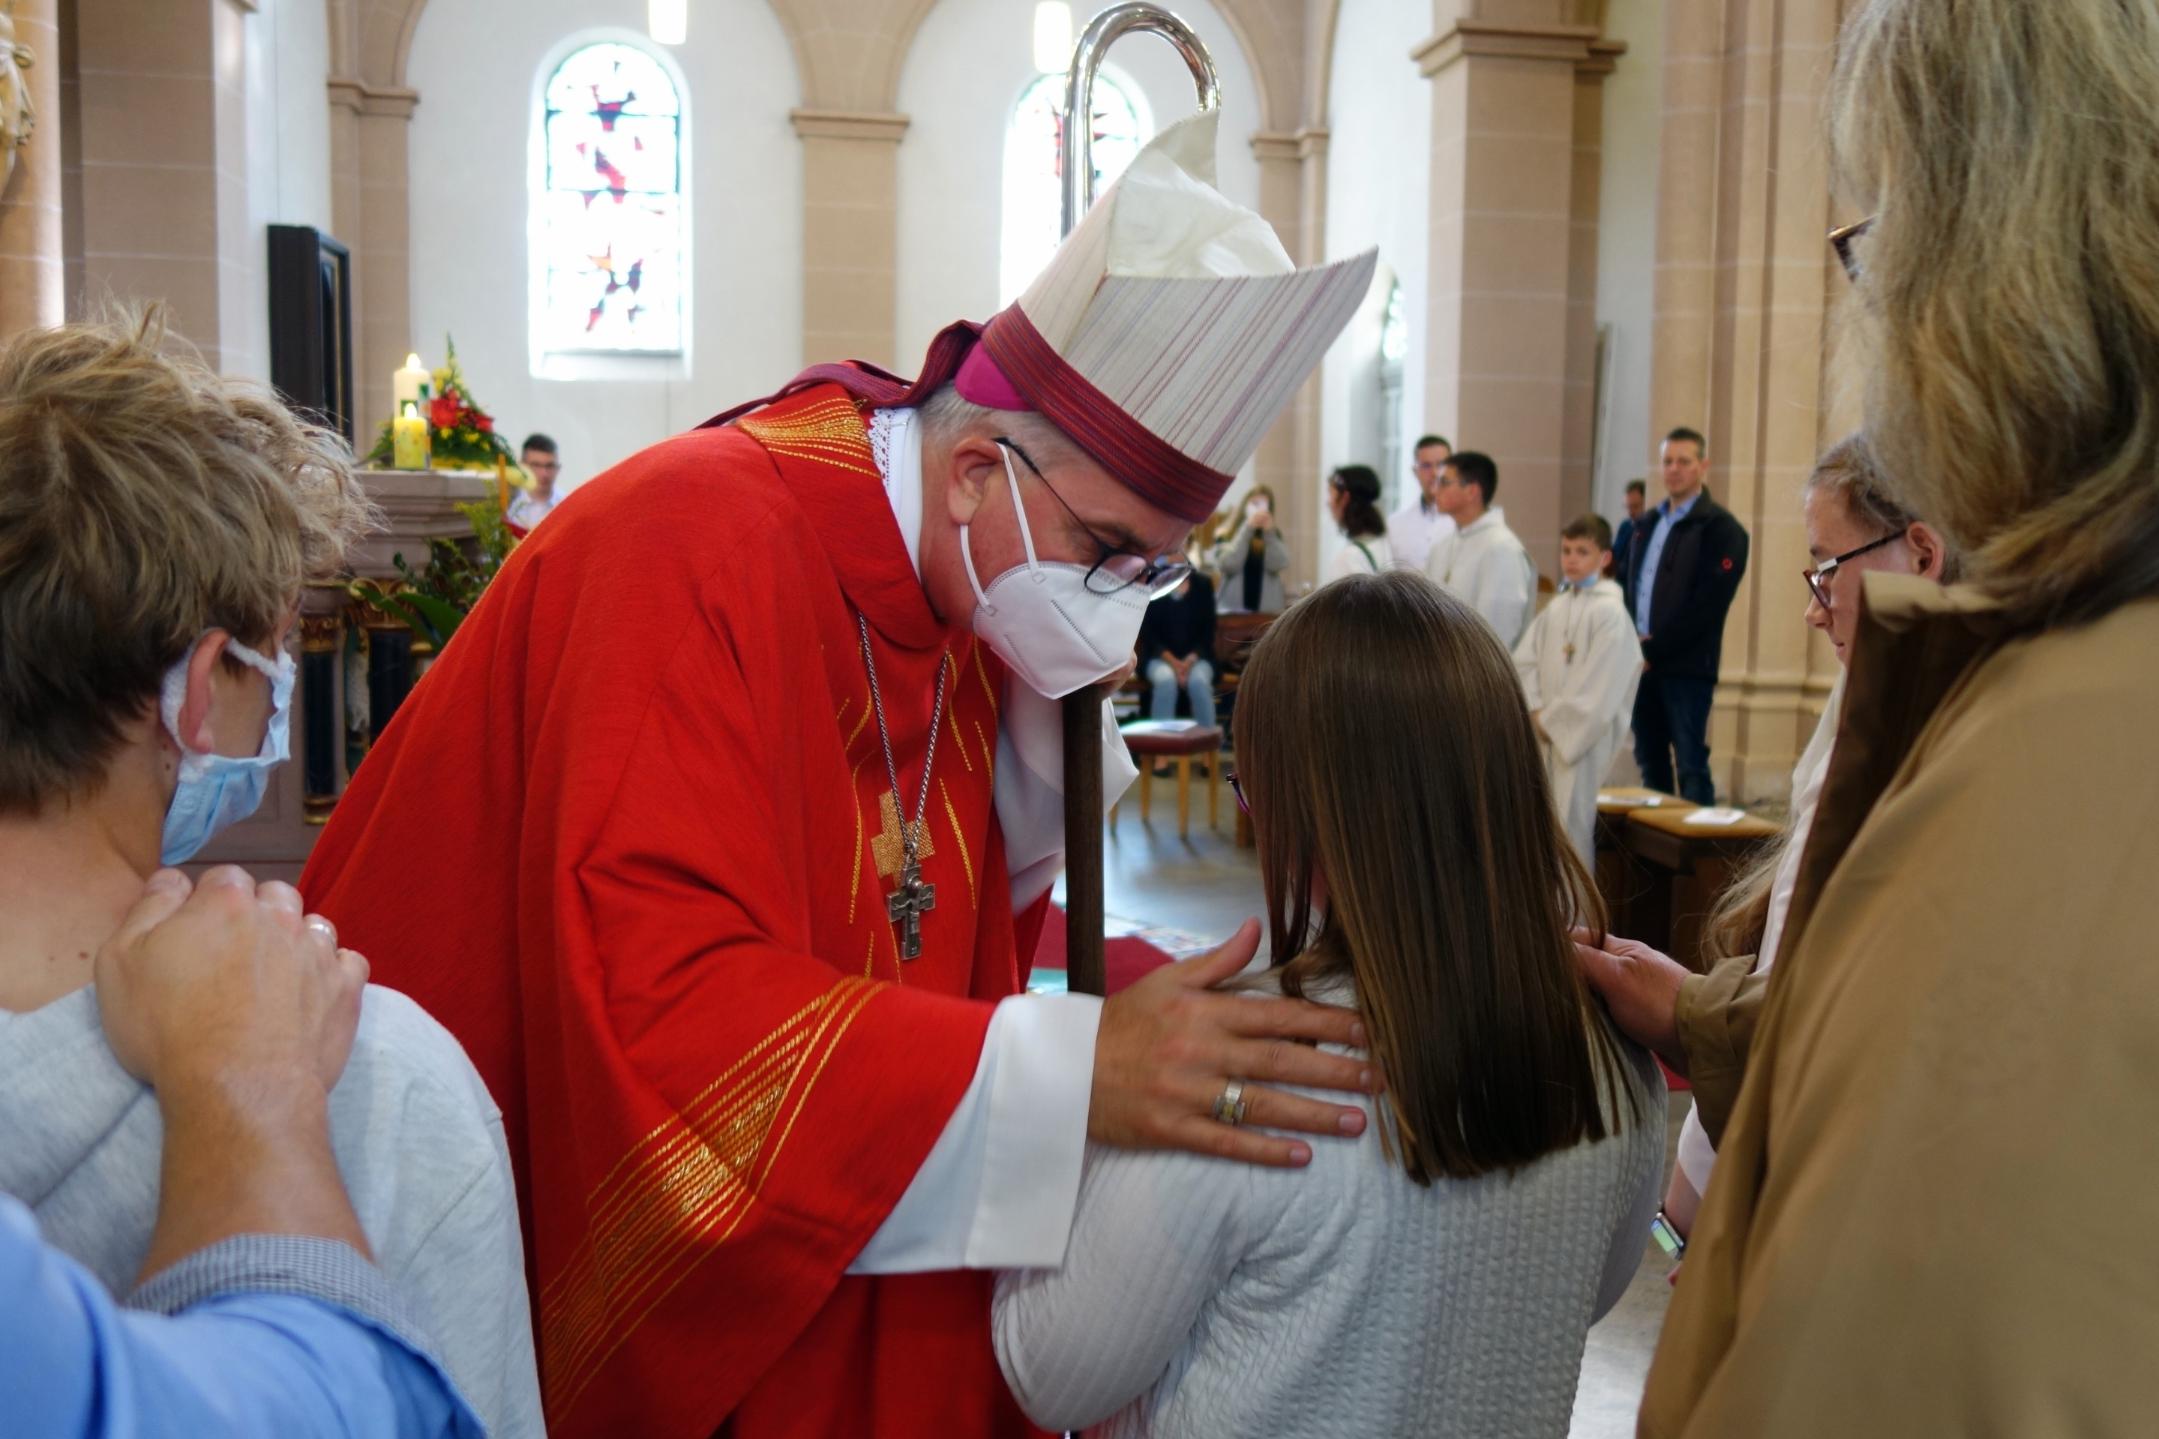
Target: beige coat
{"points": [[1936, 1207]]}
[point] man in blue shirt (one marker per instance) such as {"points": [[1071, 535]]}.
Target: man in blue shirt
{"points": [[241, 1013], [1686, 559]]}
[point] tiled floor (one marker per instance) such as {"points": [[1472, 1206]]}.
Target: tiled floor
{"points": [[1207, 885]]}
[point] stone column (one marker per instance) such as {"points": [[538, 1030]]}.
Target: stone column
{"points": [[850, 236], [32, 270], [1744, 283], [1292, 198], [1578, 421], [153, 108], [162, 213], [370, 208], [1685, 299], [1503, 197]]}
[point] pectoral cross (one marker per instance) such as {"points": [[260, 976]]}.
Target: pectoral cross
{"points": [[1570, 652], [905, 907], [913, 899]]}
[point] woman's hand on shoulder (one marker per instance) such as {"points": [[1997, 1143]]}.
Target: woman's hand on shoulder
{"points": [[1640, 988]]}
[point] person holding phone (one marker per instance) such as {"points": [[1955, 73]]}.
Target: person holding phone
{"points": [[1252, 559]]}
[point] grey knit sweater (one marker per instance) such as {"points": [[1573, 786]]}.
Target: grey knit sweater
{"points": [[1200, 1297], [417, 1139]]}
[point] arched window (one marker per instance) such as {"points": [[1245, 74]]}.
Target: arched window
{"points": [[1034, 167], [1393, 351], [608, 243]]}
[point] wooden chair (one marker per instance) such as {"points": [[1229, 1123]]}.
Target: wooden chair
{"points": [[1183, 745]]}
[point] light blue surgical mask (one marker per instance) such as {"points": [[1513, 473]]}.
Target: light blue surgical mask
{"points": [[218, 790]]}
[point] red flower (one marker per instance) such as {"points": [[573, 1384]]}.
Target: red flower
{"points": [[485, 424], [443, 412]]}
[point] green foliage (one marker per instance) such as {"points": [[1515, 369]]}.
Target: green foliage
{"points": [[437, 597]]}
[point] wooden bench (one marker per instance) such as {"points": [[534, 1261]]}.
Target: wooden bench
{"points": [[1660, 872], [1150, 740]]}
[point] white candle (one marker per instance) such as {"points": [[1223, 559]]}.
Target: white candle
{"points": [[408, 439], [410, 384]]}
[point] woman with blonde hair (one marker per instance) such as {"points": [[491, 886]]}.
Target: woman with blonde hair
{"points": [[157, 522], [1854, 528], [1440, 1280], [1937, 1186]]}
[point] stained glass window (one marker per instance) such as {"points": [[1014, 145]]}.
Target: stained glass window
{"points": [[1034, 167], [608, 238]]}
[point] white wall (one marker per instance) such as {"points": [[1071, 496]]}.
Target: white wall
{"points": [[475, 67], [1378, 175], [970, 61], [286, 54], [1627, 252]]}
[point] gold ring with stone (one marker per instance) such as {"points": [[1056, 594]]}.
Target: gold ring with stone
{"points": [[1229, 1108]]}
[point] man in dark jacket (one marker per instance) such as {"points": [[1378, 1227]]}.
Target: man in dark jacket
{"points": [[1684, 564], [1623, 542]]}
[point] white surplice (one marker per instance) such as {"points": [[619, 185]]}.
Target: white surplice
{"points": [[1414, 529], [1485, 566], [1580, 663]]}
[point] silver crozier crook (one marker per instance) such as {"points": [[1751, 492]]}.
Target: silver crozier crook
{"points": [[1083, 711]]}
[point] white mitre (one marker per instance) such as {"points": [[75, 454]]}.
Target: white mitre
{"points": [[1170, 329]]}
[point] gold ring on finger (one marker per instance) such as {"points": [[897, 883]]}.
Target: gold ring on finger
{"points": [[1229, 1106]]}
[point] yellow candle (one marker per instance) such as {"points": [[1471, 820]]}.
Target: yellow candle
{"points": [[409, 385], [408, 440]]}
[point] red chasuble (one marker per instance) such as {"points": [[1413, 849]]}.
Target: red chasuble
{"points": [[631, 841]]}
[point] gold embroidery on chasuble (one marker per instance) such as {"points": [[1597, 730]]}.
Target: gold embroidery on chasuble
{"points": [[826, 432], [682, 1191], [888, 846], [959, 837]]}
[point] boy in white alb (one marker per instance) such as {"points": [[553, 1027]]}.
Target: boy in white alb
{"points": [[1482, 563], [1580, 663]]}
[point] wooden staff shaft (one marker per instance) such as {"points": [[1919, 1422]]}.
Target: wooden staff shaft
{"points": [[1084, 969]]}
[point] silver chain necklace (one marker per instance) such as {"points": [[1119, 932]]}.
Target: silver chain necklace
{"points": [[906, 905]]}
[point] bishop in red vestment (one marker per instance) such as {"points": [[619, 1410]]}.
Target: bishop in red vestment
{"points": [[655, 836]]}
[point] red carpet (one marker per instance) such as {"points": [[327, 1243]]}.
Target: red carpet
{"points": [[1124, 958]]}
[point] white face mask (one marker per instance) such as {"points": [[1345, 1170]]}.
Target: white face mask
{"points": [[1056, 634]]}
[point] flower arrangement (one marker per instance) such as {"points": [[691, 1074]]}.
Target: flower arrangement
{"points": [[434, 599], [461, 434]]}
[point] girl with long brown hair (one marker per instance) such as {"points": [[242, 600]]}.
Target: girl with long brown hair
{"points": [[1439, 1280]]}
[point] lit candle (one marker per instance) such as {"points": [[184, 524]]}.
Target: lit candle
{"points": [[408, 438], [409, 385]]}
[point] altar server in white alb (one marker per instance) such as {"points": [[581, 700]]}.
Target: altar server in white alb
{"points": [[1580, 663], [1482, 563]]}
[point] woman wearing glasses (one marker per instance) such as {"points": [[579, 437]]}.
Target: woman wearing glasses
{"points": [[1854, 527], [1439, 1282], [1937, 1185]]}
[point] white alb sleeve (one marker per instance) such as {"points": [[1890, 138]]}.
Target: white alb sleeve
{"points": [[998, 1188]]}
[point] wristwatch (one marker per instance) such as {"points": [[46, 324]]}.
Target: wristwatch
{"points": [[1667, 1235]]}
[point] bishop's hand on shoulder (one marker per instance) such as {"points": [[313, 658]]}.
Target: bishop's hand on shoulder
{"points": [[1170, 1047]]}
